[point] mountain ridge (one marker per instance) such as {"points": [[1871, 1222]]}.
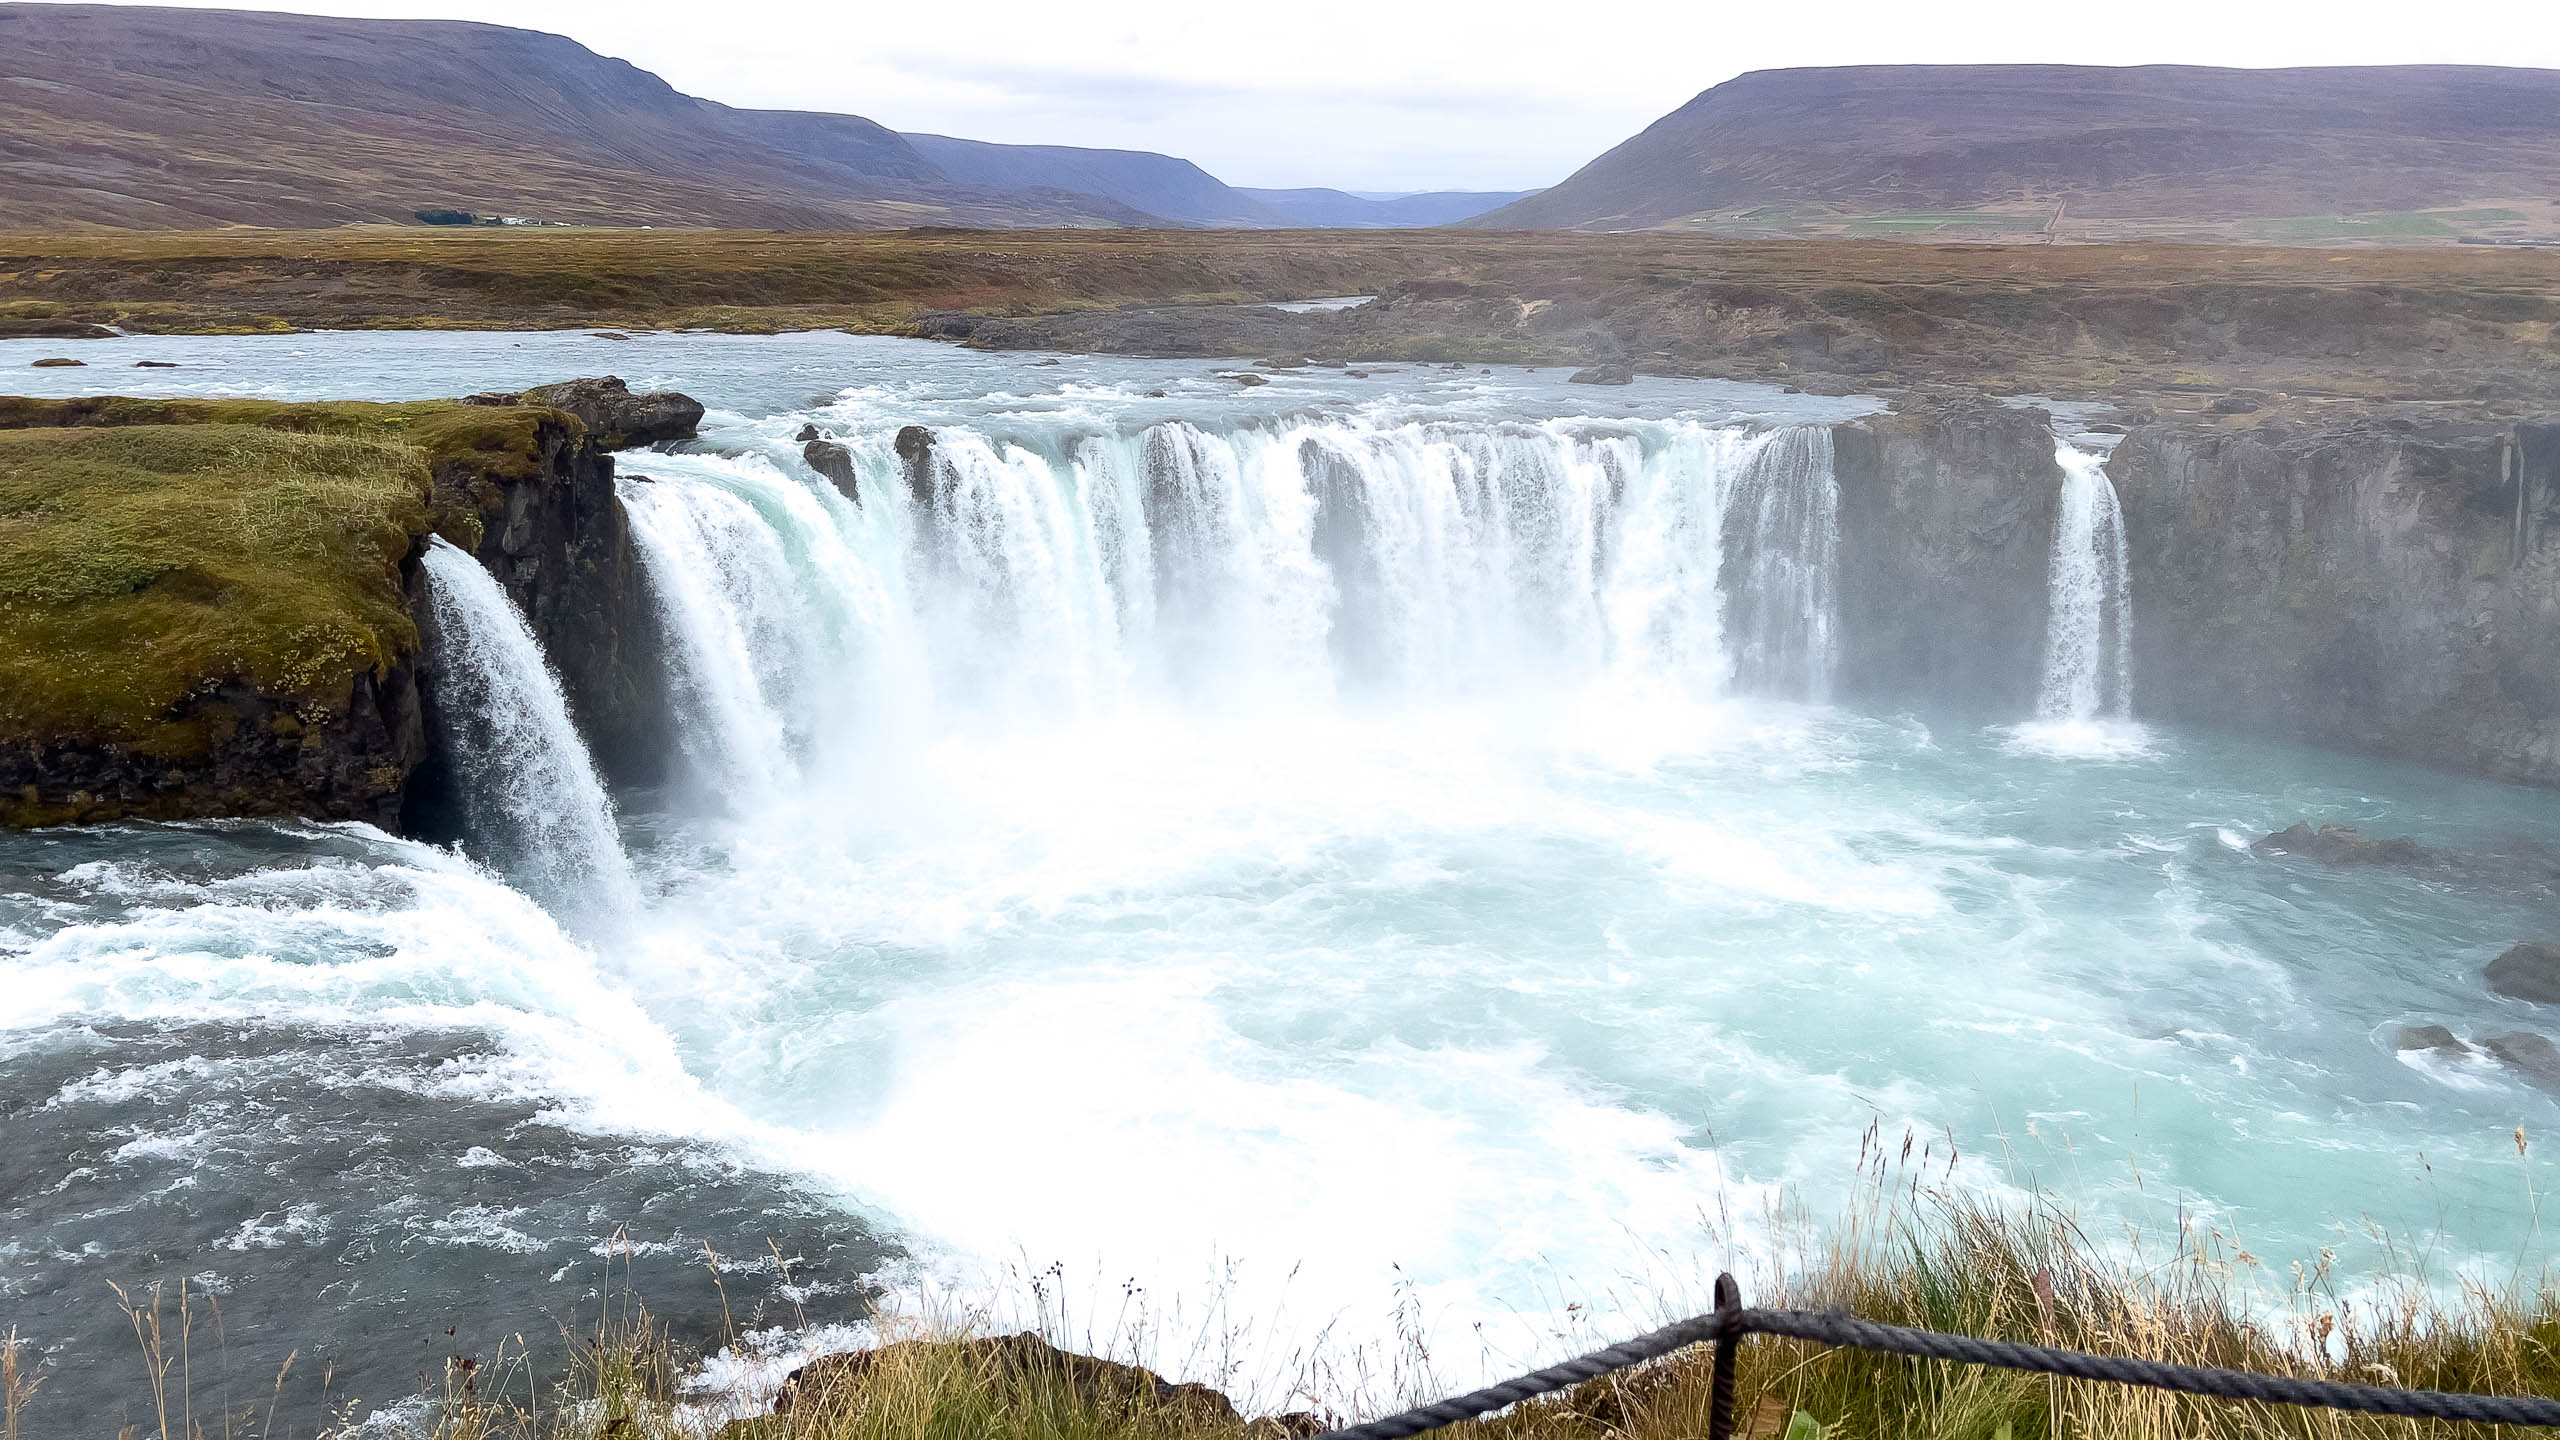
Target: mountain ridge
{"points": [[148, 117], [2047, 147]]}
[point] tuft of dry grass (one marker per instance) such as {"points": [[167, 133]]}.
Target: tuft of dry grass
{"points": [[1939, 1259]]}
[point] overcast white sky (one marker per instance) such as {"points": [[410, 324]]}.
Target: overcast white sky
{"points": [[1412, 94]]}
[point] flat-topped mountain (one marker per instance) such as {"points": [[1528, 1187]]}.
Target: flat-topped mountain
{"points": [[2088, 152], [140, 116]]}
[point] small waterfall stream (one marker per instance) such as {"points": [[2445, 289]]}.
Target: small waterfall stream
{"points": [[2088, 664], [530, 797]]}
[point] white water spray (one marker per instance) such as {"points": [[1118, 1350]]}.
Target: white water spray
{"points": [[731, 613], [2088, 663], [529, 793]]}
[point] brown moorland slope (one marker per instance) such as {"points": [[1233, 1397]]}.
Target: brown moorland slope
{"points": [[2079, 152], [2474, 326], [138, 116]]}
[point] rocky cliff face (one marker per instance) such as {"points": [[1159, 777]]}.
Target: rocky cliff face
{"points": [[554, 536], [264, 755], [1946, 536], [2374, 586]]}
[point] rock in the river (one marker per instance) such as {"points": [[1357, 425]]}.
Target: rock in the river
{"points": [[2341, 845], [1283, 362], [1607, 372], [807, 434], [2530, 971], [915, 450], [2531, 1055], [1248, 379], [615, 418], [836, 463], [2430, 1037], [56, 362], [155, 364]]}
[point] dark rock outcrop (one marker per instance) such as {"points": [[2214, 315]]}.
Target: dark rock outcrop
{"points": [[554, 535], [2530, 971], [2530, 1055], [22, 328], [2341, 845], [1607, 372], [914, 447], [615, 418], [57, 362], [1946, 535], [2372, 586], [2430, 1037], [263, 756], [834, 462]]}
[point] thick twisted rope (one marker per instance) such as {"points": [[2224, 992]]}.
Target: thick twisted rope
{"points": [[1729, 1324]]}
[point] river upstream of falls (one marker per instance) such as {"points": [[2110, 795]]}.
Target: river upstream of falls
{"points": [[1334, 930]]}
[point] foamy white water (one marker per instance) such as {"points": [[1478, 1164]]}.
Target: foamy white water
{"points": [[1209, 804], [527, 788], [2088, 664]]}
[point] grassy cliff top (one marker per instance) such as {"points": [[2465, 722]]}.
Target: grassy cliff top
{"points": [[153, 550]]}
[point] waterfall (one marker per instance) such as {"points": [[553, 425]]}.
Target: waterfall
{"points": [[531, 801], [2088, 662], [1273, 562], [729, 606], [1784, 519]]}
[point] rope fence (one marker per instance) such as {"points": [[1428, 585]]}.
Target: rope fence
{"points": [[1729, 1324]]}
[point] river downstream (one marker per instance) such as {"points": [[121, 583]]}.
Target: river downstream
{"points": [[1125, 864]]}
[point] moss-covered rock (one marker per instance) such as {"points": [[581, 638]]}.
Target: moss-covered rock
{"points": [[206, 605]]}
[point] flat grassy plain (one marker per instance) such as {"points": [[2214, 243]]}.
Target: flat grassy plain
{"points": [[400, 277], [2471, 326]]}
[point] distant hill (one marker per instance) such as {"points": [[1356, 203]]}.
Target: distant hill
{"points": [[135, 116], [2394, 153], [1160, 185], [1339, 209]]}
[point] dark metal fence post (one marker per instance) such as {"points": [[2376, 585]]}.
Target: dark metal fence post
{"points": [[1728, 1339]]}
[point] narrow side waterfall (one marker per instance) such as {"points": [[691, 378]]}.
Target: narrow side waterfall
{"points": [[531, 801], [2088, 662]]}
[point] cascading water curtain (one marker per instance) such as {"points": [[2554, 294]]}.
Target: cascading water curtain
{"points": [[1313, 557], [1782, 561], [2088, 666]]}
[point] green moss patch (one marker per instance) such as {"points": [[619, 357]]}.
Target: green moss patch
{"points": [[155, 550]]}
